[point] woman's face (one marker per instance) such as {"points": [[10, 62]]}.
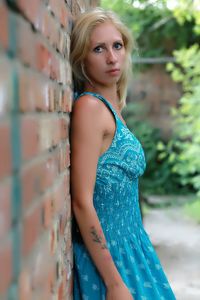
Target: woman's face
{"points": [[106, 56]]}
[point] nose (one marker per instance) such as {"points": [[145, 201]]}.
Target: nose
{"points": [[111, 57]]}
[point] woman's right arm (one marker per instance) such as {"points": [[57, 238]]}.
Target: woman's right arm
{"points": [[86, 135]]}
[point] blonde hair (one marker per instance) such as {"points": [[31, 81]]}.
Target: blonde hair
{"points": [[80, 39]]}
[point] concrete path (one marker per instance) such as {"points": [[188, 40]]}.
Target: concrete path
{"points": [[177, 242]]}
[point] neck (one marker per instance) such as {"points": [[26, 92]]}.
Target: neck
{"points": [[110, 93]]}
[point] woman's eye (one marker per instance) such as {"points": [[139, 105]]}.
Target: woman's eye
{"points": [[98, 49], [118, 45]]}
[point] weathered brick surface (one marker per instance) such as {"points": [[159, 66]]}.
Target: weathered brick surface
{"points": [[156, 90], [35, 101]]}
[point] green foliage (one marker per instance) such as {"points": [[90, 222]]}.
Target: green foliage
{"points": [[154, 27], [186, 137], [193, 210], [188, 10], [189, 73], [187, 115]]}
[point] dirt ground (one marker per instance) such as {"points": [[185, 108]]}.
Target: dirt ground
{"points": [[177, 242]]}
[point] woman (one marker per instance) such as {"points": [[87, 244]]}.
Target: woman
{"points": [[113, 257]]}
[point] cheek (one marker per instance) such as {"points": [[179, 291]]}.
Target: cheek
{"points": [[93, 64], [123, 59], [123, 56]]}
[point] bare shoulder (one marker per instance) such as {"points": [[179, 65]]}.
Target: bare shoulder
{"points": [[87, 110], [87, 104]]}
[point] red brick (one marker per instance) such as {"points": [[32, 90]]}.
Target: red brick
{"points": [[50, 63], [68, 42], [56, 36], [42, 64], [57, 131], [47, 211], [30, 9], [75, 8], [59, 196], [65, 72], [63, 43], [6, 265], [31, 183], [5, 150], [4, 36], [6, 85], [64, 14], [29, 137], [33, 51], [61, 291], [48, 286], [36, 178], [51, 92], [42, 293], [5, 208], [37, 274], [43, 59], [50, 29], [40, 17], [31, 229], [25, 288], [46, 134], [55, 68], [58, 98], [66, 180], [53, 241], [70, 287], [51, 169], [63, 221], [68, 244], [67, 100], [26, 42], [54, 236], [34, 92], [42, 266], [50, 133], [68, 155], [64, 158], [66, 286], [59, 9], [64, 128], [64, 215]]}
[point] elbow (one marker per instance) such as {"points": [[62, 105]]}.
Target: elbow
{"points": [[79, 205], [76, 205]]}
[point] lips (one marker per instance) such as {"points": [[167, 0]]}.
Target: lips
{"points": [[113, 72]]}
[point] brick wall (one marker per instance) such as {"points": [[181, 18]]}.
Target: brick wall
{"points": [[155, 89], [35, 101]]}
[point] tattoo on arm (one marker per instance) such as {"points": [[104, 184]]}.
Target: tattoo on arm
{"points": [[97, 238]]}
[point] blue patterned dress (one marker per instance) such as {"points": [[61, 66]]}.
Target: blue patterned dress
{"points": [[116, 203]]}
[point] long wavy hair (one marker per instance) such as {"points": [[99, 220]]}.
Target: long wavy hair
{"points": [[80, 39]]}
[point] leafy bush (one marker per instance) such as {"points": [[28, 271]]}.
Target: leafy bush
{"points": [[192, 209], [186, 137], [155, 28]]}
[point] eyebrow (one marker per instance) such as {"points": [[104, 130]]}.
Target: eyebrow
{"points": [[103, 43]]}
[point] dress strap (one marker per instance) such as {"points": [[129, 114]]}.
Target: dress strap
{"points": [[106, 102]]}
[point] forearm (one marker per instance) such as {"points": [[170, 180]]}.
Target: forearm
{"points": [[95, 242]]}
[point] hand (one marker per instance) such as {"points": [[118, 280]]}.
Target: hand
{"points": [[119, 292]]}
